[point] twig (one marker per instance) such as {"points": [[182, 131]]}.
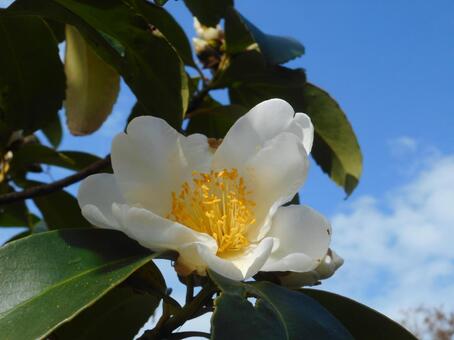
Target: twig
{"points": [[184, 335], [189, 289], [185, 314], [199, 96], [45, 189]]}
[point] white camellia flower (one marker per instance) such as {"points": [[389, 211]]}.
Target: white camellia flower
{"points": [[219, 208]]}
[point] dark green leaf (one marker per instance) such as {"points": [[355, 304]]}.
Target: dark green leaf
{"points": [[238, 37], [53, 131], [168, 26], [14, 214], [278, 313], [32, 81], [40, 154], [336, 148], [120, 314], [18, 236], [209, 12], [214, 122], [240, 33], [251, 81], [361, 321], [160, 2], [276, 49], [61, 210], [122, 37], [61, 274]]}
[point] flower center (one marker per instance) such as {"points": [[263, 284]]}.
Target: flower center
{"points": [[216, 204]]}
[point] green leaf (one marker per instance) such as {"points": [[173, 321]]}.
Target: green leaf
{"points": [[60, 210], [169, 27], [238, 38], [278, 313], [53, 131], [361, 321], [14, 214], [276, 49], [240, 33], [214, 122], [160, 2], [92, 85], [336, 148], [33, 153], [120, 314], [32, 82], [61, 274], [250, 81], [209, 12], [124, 38]]}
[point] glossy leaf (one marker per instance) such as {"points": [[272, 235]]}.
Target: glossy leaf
{"points": [[60, 210], [121, 313], [53, 131], [361, 321], [92, 85], [250, 80], [40, 154], [278, 313], [125, 39], [14, 214], [209, 12], [336, 148], [62, 273], [31, 88], [160, 2], [241, 34], [214, 122], [168, 26]]}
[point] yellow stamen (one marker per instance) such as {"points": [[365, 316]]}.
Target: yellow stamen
{"points": [[216, 204]]}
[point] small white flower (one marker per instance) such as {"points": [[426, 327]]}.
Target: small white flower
{"points": [[200, 45], [330, 263], [218, 208], [207, 33]]}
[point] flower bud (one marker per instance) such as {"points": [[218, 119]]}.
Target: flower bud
{"points": [[330, 263]]}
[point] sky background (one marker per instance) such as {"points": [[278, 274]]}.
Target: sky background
{"points": [[390, 66]]}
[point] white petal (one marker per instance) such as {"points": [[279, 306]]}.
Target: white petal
{"points": [[302, 127], [262, 123], [330, 263], [152, 160], [155, 232], [96, 195], [304, 236], [243, 266], [275, 175]]}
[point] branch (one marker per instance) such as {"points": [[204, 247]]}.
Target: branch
{"points": [[183, 335], [186, 313], [45, 189]]}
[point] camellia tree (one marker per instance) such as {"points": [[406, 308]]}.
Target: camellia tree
{"points": [[210, 187]]}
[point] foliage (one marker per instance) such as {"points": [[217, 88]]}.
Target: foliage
{"points": [[68, 280], [429, 323]]}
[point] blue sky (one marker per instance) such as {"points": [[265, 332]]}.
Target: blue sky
{"points": [[390, 66]]}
